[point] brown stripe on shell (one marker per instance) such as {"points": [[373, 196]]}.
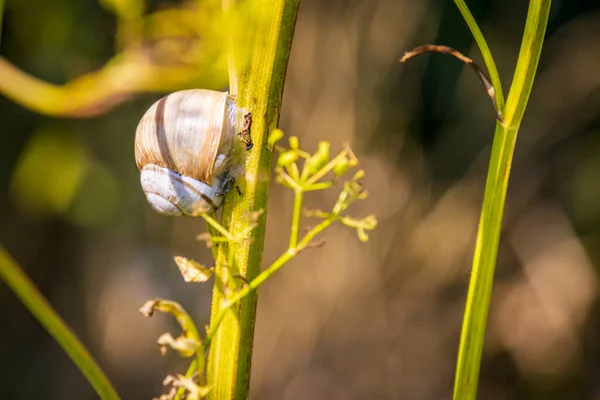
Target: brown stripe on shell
{"points": [[159, 121], [204, 197]]}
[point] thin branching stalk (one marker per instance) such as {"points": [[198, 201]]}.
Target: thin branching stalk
{"points": [[291, 252], [490, 224], [296, 218], [261, 92], [19, 283]]}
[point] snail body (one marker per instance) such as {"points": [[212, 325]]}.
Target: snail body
{"points": [[185, 150]]}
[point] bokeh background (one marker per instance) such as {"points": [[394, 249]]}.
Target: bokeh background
{"points": [[346, 321]]}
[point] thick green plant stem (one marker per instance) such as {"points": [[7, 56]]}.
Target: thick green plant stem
{"points": [[17, 280], [490, 223], [261, 92]]}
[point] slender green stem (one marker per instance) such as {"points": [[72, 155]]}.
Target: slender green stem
{"points": [[201, 362], [485, 52], [215, 238], [298, 195], [490, 223], [529, 55], [292, 169], [216, 226], [261, 92], [20, 284], [319, 186], [291, 182], [305, 171]]}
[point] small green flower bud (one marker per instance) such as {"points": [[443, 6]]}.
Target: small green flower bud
{"points": [[341, 167], [319, 159], [274, 137], [358, 175], [286, 158], [294, 143]]}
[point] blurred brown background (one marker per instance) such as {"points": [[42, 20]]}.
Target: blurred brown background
{"points": [[347, 321]]}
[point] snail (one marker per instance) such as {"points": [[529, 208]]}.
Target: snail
{"points": [[186, 150]]}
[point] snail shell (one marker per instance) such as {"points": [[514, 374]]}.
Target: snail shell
{"points": [[185, 145]]}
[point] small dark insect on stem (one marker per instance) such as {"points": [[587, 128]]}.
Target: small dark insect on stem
{"points": [[245, 133], [483, 78]]}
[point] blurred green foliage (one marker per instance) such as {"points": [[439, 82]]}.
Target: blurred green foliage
{"points": [[49, 173]]}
